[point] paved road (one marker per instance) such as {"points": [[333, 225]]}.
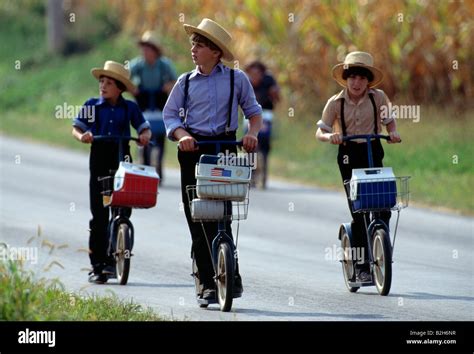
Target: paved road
{"points": [[287, 270]]}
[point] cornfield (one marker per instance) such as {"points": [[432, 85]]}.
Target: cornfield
{"points": [[423, 47]]}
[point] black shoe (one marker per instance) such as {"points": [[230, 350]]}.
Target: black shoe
{"points": [[97, 278], [209, 294], [238, 288], [110, 272]]}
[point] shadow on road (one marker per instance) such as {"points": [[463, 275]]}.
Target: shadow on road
{"points": [[153, 285], [428, 296], [341, 316]]}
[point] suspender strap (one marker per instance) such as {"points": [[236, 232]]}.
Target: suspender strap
{"points": [[343, 123], [231, 101], [371, 96], [186, 90]]}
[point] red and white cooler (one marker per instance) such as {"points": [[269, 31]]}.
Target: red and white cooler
{"points": [[135, 186]]}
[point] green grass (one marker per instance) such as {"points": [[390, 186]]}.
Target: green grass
{"points": [[23, 298], [31, 94]]}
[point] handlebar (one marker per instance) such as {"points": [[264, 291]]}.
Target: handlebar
{"points": [[219, 142], [367, 137], [117, 138]]}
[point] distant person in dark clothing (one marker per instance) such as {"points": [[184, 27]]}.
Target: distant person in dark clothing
{"points": [[155, 76], [268, 95]]}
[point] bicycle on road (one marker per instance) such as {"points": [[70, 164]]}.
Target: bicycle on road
{"points": [[371, 191], [220, 194], [131, 186]]}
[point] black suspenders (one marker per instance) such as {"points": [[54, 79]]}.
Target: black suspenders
{"points": [[343, 123], [231, 99]]}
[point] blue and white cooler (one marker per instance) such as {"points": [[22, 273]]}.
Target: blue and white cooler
{"points": [[373, 188]]}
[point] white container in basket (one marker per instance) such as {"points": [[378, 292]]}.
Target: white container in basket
{"points": [[202, 209], [225, 181]]}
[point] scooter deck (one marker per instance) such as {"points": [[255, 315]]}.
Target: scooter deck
{"points": [[359, 284]]}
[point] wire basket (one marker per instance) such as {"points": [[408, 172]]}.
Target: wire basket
{"points": [[130, 191], [378, 194], [216, 209]]}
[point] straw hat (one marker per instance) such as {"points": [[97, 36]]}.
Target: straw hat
{"points": [[116, 71], [216, 33], [357, 59], [150, 38]]}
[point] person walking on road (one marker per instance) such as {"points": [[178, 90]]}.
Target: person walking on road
{"points": [[203, 105], [110, 114], [155, 76], [357, 109]]}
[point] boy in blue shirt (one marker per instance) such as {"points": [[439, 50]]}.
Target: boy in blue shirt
{"points": [[110, 114]]}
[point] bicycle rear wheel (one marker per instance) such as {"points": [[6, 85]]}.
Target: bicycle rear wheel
{"points": [[225, 276], [382, 254], [123, 253], [348, 266]]}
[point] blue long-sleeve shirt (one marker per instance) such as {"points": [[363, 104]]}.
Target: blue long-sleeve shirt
{"points": [[207, 102], [101, 118]]}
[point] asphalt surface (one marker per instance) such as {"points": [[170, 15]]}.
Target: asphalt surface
{"points": [[289, 268]]}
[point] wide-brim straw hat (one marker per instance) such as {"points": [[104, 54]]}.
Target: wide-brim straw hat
{"points": [[150, 38], [116, 71], [357, 59], [214, 32]]}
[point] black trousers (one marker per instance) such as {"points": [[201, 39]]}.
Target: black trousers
{"points": [[187, 162], [103, 161], [354, 155], [147, 99]]}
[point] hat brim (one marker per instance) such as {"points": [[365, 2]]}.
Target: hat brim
{"points": [[226, 53], [157, 47], [98, 72], [339, 69]]}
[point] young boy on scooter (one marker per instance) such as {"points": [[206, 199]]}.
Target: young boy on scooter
{"points": [[355, 110], [199, 108], [110, 114]]}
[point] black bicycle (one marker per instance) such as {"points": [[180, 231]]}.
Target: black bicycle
{"points": [[220, 194], [371, 191], [131, 186]]}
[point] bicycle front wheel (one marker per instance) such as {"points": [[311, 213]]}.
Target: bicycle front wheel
{"points": [[123, 253], [382, 252], [225, 276]]}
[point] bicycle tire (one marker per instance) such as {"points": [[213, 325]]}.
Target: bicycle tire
{"points": [[123, 253], [382, 255], [348, 267], [225, 276]]}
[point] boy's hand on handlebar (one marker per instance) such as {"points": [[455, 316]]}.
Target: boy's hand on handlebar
{"points": [[144, 137], [187, 144], [87, 138], [335, 138], [250, 143], [394, 138]]}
